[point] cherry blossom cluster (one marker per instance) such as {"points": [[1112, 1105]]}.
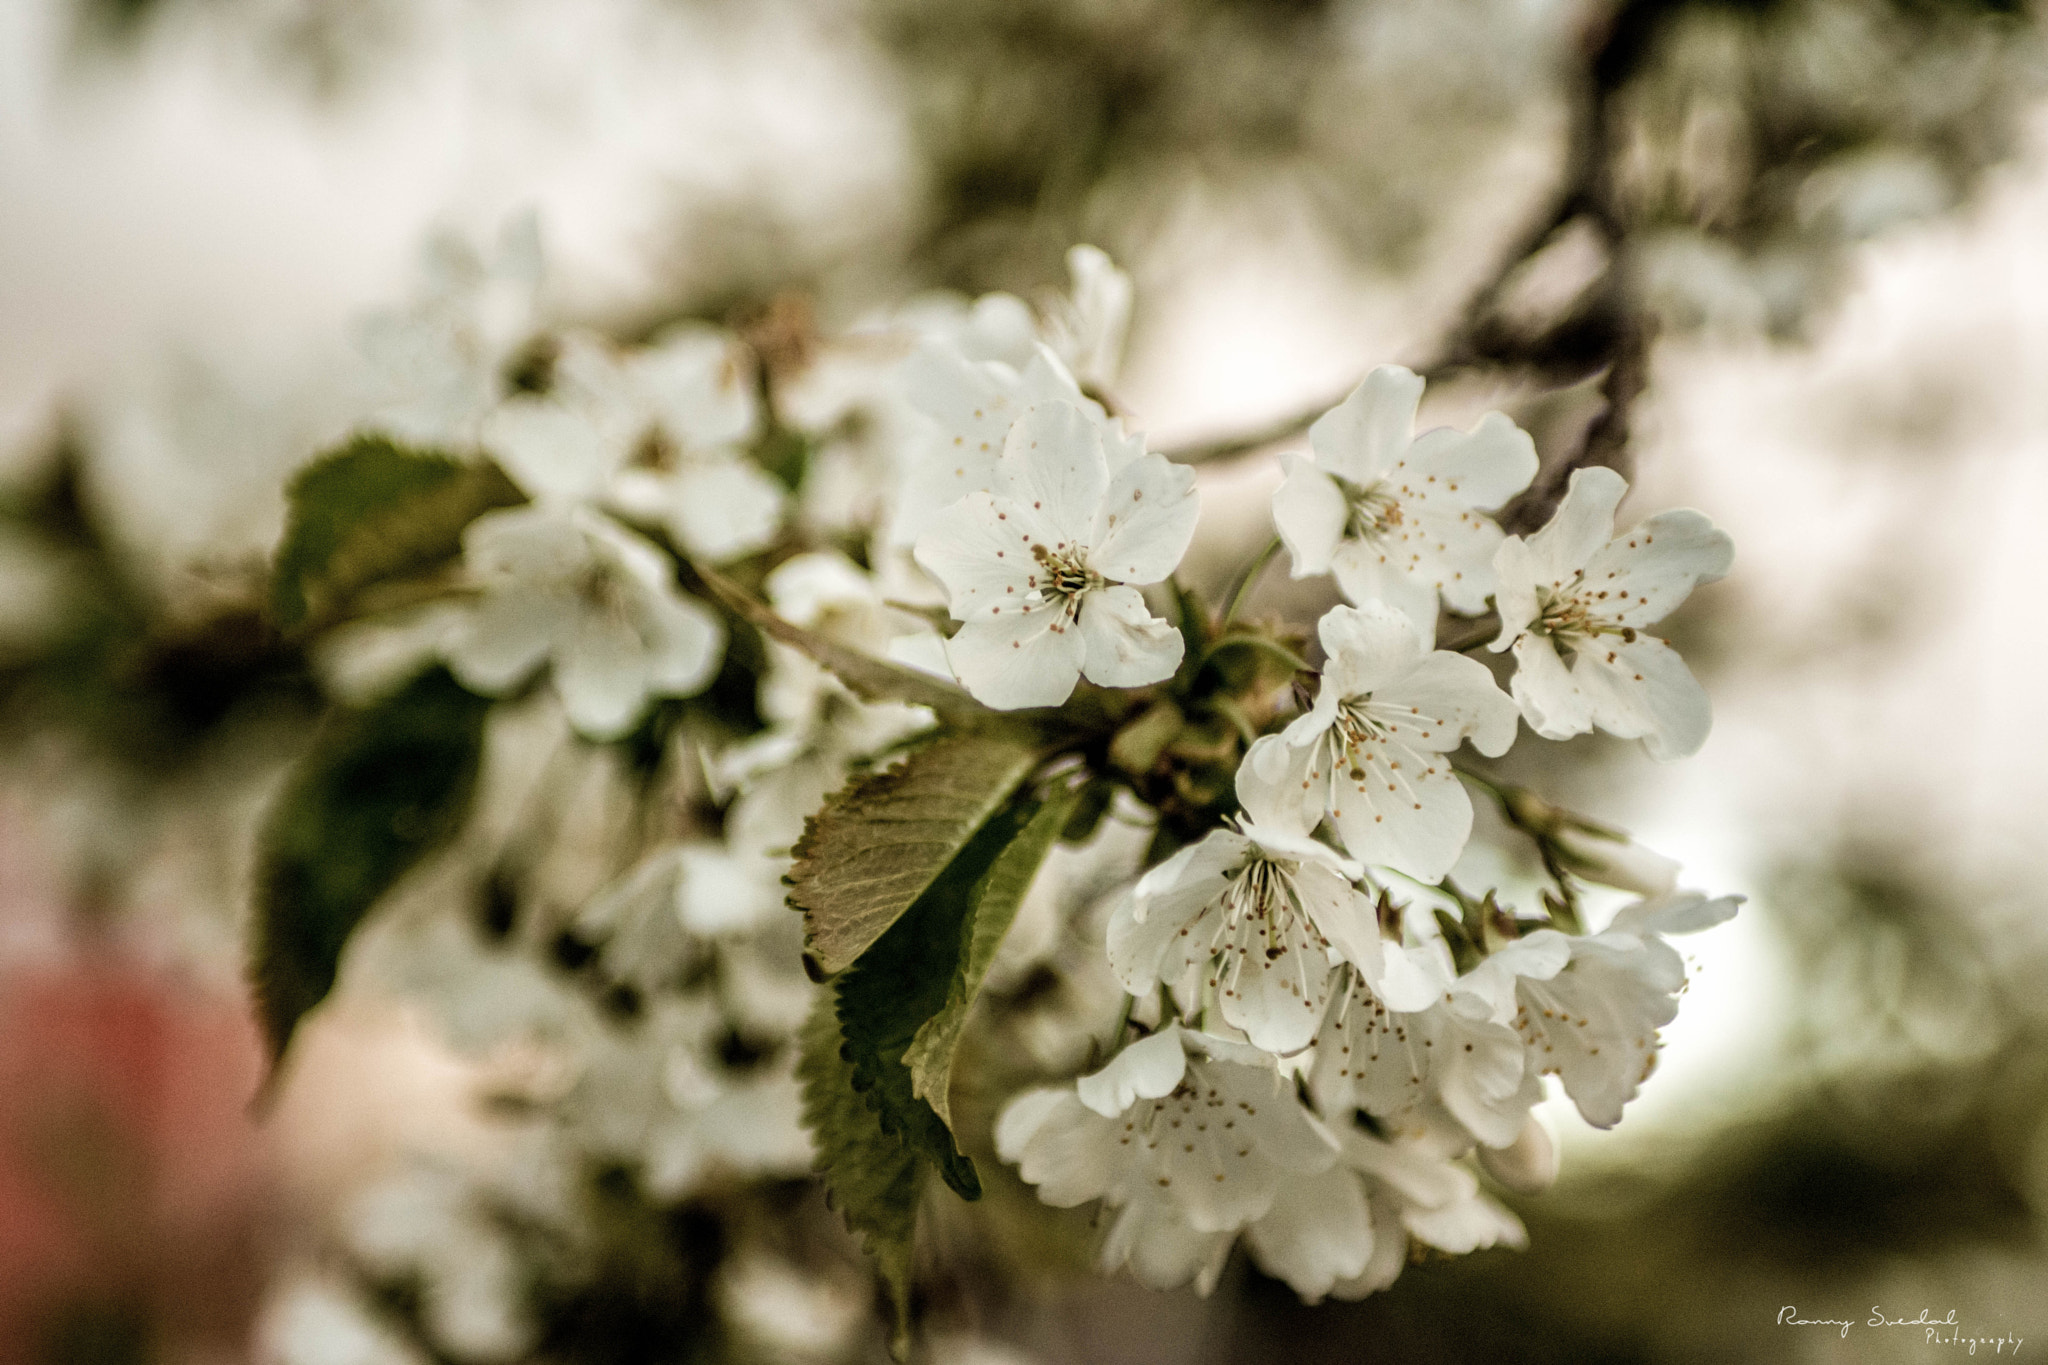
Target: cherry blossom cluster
{"points": [[1315, 1062], [1324, 1039]]}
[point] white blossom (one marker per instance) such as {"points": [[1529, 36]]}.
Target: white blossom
{"points": [[1039, 571], [566, 585], [1432, 1057], [1372, 753], [1432, 1198], [1594, 1021], [1189, 1137], [1259, 912], [1088, 328], [1529, 1164], [1575, 603], [696, 384], [970, 407], [1397, 517], [656, 1096], [437, 367], [655, 433]]}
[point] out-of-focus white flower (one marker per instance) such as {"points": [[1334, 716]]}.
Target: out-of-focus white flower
{"points": [[790, 1313], [696, 385], [1189, 1137], [1417, 1190], [567, 585], [1038, 571], [1371, 753], [1594, 1021], [314, 1321], [653, 432], [1088, 328], [1575, 601], [1528, 1165], [1611, 858], [475, 1300], [816, 728], [1258, 912], [1319, 1234], [657, 1096], [425, 1220], [436, 368], [970, 407], [1400, 518]]}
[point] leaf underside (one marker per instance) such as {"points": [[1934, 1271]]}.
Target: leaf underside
{"points": [[379, 789], [871, 1178], [878, 844], [994, 902], [372, 510]]}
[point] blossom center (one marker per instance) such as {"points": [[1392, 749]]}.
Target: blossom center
{"points": [[1064, 573], [1356, 728], [598, 587], [1568, 616], [1374, 510]]}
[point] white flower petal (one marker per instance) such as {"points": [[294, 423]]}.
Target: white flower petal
{"points": [[1145, 521], [602, 676], [1412, 979], [982, 552], [1581, 526], [1362, 437], [1309, 512], [505, 636], [1368, 647], [722, 509], [1365, 577], [699, 383], [1126, 645], [1318, 1232], [1277, 991], [1451, 550], [1053, 464], [1547, 693], [551, 451], [1451, 697], [1654, 565], [1148, 1069], [1466, 1226], [1070, 1154], [1013, 659], [1528, 1165], [1643, 688], [684, 644], [1273, 783], [1484, 467], [1344, 915], [1154, 1240], [1404, 809]]}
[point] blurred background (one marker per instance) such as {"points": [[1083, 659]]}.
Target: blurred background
{"points": [[1785, 260]]}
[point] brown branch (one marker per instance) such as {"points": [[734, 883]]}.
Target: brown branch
{"points": [[1604, 331]]}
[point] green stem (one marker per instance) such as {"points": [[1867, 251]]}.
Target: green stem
{"points": [[1251, 576], [1262, 645], [1123, 1023]]}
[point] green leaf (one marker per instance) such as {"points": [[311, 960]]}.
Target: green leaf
{"points": [[992, 905], [878, 844], [871, 1177], [369, 511], [871, 678], [904, 980], [378, 790]]}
